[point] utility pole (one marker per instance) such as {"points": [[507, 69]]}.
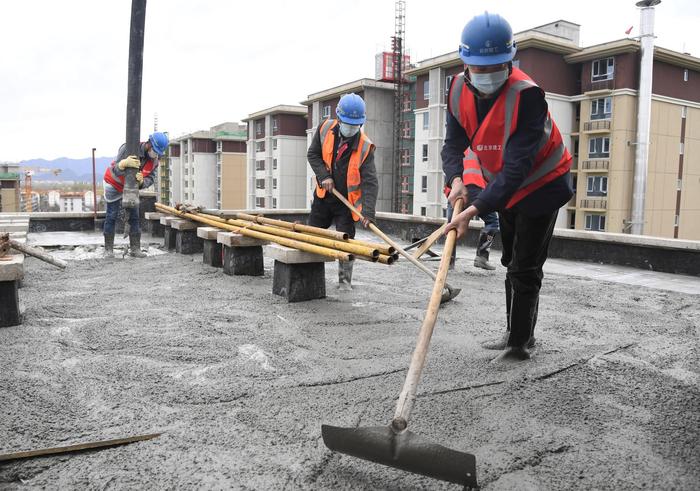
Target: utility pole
{"points": [[130, 196]]}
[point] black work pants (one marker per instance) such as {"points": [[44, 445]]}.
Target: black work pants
{"points": [[525, 244], [329, 210]]}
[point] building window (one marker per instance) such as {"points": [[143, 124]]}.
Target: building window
{"points": [[422, 211], [597, 186], [406, 129], [676, 221], [274, 164], [326, 111], [260, 146], [426, 121], [572, 219], [595, 222], [682, 148], [444, 213], [186, 171], [424, 184], [685, 75], [426, 90], [274, 202], [260, 202], [187, 197], [260, 184], [274, 143], [259, 165], [274, 183], [599, 147], [258, 129], [684, 111], [406, 102], [219, 146], [601, 108], [186, 182], [603, 69], [448, 83], [405, 157], [425, 152], [275, 125]]}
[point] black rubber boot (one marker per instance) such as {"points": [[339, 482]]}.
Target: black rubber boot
{"points": [[109, 246], [345, 275], [501, 342], [523, 312], [135, 246], [482, 251]]}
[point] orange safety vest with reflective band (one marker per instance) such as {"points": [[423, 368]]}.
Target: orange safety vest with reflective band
{"points": [[118, 181], [488, 140], [357, 158], [472, 171]]}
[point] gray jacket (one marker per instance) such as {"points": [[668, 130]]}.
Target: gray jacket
{"points": [[112, 194]]}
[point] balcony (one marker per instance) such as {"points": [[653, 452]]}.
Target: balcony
{"points": [[594, 204], [598, 126], [572, 202], [595, 165]]}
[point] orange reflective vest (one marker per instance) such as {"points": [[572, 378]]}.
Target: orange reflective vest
{"points": [[472, 171], [118, 181], [489, 139], [357, 158]]}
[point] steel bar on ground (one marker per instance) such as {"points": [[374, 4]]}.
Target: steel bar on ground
{"points": [[296, 244], [38, 253]]}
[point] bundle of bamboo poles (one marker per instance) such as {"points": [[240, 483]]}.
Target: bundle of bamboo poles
{"points": [[328, 243]]}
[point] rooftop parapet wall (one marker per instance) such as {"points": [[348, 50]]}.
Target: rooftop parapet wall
{"points": [[649, 253]]}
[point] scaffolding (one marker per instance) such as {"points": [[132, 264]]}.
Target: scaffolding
{"points": [[403, 196]]}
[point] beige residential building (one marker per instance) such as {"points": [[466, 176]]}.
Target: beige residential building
{"points": [[9, 187]]}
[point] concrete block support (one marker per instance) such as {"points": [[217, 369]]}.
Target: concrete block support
{"points": [[187, 242], [154, 226], [169, 236], [9, 304], [298, 275], [243, 260], [212, 253]]}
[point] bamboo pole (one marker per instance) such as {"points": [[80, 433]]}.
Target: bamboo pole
{"points": [[383, 248], [302, 246], [344, 246], [297, 227], [429, 241], [38, 253]]}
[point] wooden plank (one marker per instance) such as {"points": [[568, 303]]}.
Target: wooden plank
{"points": [[183, 225], [208, 233]]}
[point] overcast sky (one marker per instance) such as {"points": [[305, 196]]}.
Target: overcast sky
{"points": [[63, 64]]}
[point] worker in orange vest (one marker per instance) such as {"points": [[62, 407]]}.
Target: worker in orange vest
{"points": [[501, 114], [342, 157]]}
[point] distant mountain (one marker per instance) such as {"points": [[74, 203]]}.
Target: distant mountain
{"points": [[71, 169]]}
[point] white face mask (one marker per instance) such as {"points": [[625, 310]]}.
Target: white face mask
{"points": [[488, 83], [349, 130], [152, 154]]}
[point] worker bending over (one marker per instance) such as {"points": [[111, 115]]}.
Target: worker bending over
{"points": [[147, 164], [500, 114], [342, 157]]}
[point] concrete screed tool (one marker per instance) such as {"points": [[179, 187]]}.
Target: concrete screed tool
{"points": [[448, 292], [394, 445]]}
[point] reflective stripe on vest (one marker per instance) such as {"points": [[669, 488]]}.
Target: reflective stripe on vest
{"points": [[489, 139], [357, 158], [117, 182]]}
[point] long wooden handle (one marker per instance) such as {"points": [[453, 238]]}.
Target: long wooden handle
{"points": [[385, 238], [38, 253], [429, 241], [408, 393]]}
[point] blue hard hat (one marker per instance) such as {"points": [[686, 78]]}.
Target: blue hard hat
{"points": [[487, 39], [159, 142], [351, 109]]}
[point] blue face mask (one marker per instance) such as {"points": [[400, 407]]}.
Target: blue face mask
{"points": [[488, 83], [349, 130]]}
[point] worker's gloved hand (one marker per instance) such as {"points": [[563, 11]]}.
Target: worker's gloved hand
{"points": [[459, 190], [139, 177], [131, 161], [365, 222], [328, 184], [460, 222]]}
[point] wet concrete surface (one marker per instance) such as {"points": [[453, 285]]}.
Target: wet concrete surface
{"points": [[239, 381]]}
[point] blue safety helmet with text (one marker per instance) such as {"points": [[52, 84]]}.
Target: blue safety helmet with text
{"points": [[351, 109], [487, 39], [159, 142]]}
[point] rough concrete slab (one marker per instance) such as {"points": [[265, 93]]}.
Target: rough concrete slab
{"points": [[232, 239], [187, 242], [180, 224], [240, 381], [165, 220], [212, 253], [153, 215], [13, 227], [243, 261], [288, 255], [208, 233], [13, 269]]}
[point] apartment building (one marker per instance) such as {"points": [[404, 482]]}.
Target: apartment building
{"points": [[9, 187], [276, 161], [592, 94], [205, 167], [379, 99]]}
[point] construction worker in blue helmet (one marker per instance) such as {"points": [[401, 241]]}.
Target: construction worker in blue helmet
{"points": [[146, 161], [499, 116], [342, 157]]}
